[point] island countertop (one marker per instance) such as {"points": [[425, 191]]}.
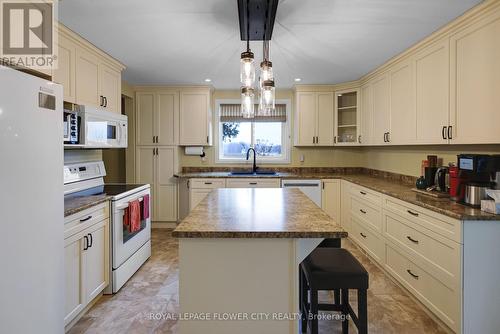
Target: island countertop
{"points": [[258, 213]]}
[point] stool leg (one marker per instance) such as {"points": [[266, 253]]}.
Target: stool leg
{"points": [[314, 310], [336, 296], [345, 311], [303, 301], [362, 312]]}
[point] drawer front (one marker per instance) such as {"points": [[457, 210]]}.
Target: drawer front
{"points": [[439, 298], [445, 226], [84, 219], [367, 213], [440, 254], [207, 183], [366, 194], [371, 242], [253, 183]]}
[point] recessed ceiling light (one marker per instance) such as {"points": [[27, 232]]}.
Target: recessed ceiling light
{"points": [[297, 79], [208, 80]]}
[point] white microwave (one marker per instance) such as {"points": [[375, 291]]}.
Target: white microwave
{"points": [[102, 129]]}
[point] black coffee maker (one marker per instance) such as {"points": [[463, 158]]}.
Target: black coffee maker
{"points": [[475, 174]]}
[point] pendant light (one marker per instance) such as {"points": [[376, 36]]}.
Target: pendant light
{"points": [[247, 102], [267, 98], [247, 65]]}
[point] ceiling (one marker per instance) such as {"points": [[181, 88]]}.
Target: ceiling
{"points": [[320, 41]]}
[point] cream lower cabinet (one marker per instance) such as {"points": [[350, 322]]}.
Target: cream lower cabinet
{"points": [[86, 254], [419, 248], [200, 188], [156, 166], [253, 183], [330, 198]]}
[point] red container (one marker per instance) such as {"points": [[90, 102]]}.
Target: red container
{"points": [[454, 182]]}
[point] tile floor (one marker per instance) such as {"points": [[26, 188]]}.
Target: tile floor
{"points": [[154, 289]]}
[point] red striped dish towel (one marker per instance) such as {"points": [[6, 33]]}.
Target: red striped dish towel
{"points": [[135, 216]]}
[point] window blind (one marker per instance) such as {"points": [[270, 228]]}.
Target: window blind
{"points": [[232, 113]]}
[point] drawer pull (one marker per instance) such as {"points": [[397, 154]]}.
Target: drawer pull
{"points": [[362, 211], [411, 239], [412, 274], [208, 183], [253, 183], [85, 219], [362, 193], [361, 234], [412, 213]]}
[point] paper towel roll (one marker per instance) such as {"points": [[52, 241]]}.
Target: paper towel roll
{"points": [[194, 150]]}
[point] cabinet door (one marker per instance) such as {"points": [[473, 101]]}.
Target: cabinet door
{"points": [[73, 262], [65, 73], [347, 117], [381, 108], [366, 115], [325, 118], [432, 76], [402, 97], [194, 118], [196, 196], [330, 198], [306, 118], [96, 259], [475, 83], [166, 187], [145, 116], [110, 88], [145, 170], [167, 121], [87, 74]]}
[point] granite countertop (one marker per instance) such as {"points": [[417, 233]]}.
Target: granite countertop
{"points": [[76, 204], [380, 182], [258, 213]]}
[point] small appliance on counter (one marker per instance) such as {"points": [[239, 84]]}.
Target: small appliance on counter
{"points": [[476, 174]]}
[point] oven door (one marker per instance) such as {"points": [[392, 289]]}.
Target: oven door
{"points": [[125, 244]]}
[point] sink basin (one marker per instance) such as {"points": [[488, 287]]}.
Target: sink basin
{"points": [[268, 173]]}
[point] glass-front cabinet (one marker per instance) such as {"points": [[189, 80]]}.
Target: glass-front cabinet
{"points": [[347, 117]]}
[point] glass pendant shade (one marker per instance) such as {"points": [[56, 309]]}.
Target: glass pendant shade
{"points": [[247, 69], [267, 98], [266, 71], [247, 102]]}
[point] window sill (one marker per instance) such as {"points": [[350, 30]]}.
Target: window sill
{"points": [[250, 162]]}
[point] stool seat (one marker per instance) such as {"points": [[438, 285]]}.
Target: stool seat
{"points": [[328, 267]]}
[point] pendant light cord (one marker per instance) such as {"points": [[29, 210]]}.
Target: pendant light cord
{"points": [[248, 25]]}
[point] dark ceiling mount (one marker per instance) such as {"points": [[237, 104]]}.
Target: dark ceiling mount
{"points": [[257, 19]]}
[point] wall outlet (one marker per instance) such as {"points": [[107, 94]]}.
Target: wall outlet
{"points": [[302, 158]]}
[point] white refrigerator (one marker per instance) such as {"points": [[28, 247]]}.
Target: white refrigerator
{"points": [[31, 204]]}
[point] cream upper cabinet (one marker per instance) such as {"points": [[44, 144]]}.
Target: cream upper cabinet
{"points": [[157, 115], [402, 104], [432, 80], [145, 118], [195, 117], [325, 119], [305, 134], [314, 119], [347, 119], [381, 110], [365, 137], [65, 73], [330, 198], [475, 82], [110, 84], [87, 74]]}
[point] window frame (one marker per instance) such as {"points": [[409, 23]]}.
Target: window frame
{"points": [[285, 137]]}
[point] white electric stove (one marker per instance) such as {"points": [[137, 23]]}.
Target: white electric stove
{"points": [[128, 250]]}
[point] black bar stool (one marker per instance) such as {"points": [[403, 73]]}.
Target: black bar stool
{"points": [[333, 269]]}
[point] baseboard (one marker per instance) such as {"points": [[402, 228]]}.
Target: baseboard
{"points": [[164, 225]]}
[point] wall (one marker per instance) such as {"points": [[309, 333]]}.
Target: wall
{"points": [[408, 159], [313, 157]]}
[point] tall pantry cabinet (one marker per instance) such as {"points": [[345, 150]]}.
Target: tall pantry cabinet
{"points": [[157, 137]]}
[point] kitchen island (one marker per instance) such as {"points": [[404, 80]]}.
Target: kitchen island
{"points": [[239, 255]]}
